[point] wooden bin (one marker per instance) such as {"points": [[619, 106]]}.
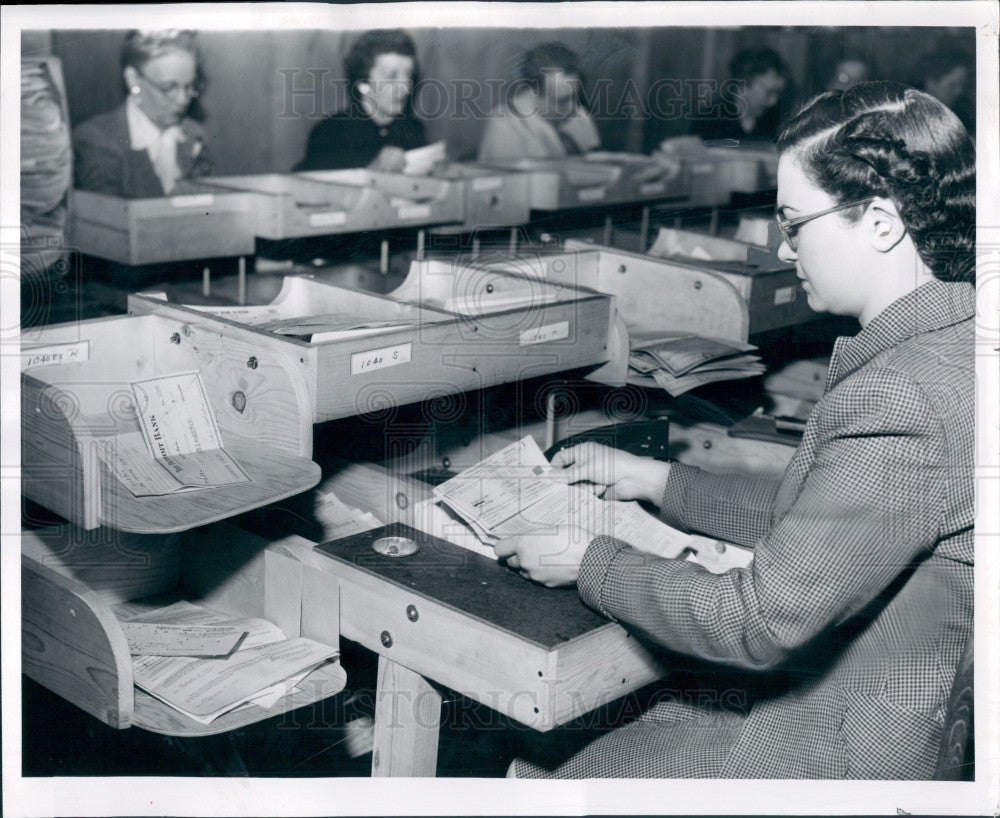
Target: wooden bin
{"points": [[460, 329], [403, 200], [641, 179], [286, 206], [493, 198], [76, 388], [205, 222], [75, 585], [773, 292], [603, 179]]}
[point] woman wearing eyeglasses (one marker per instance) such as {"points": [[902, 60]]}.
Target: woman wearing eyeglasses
{"points": [[148, 145], [832, 655]]}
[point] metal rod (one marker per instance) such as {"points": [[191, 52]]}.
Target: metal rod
{"points": [[420, 245], [512, 246], [550, 420], [644, 229], [713, 225], [242, 281], [383, 261], [206, 281], [475, 248], [607, 230]]}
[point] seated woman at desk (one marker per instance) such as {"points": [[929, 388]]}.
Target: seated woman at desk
{"points": [[749, 112], [147, 145], [842, 637], [543, 117], [379, 125]]}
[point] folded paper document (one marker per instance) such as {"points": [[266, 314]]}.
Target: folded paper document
{"points": [[168, 440], [517, 491], [680, 362], [265, 667]]}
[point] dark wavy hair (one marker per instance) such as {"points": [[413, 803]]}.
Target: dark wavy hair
{"points": [[139, 47], [366, 49], [546, 57], [886, 139]]}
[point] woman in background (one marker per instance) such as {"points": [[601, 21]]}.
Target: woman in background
{"points": [[379, 125], [543, 117], [750, 110], [148, 145], [833, 654]]}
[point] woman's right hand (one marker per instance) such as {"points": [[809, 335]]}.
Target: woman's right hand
{"points": [[615, 475]]}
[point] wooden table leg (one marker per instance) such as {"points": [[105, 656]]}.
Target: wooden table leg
{"points": [[407, 723]]}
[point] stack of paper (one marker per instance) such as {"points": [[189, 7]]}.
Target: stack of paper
{"points": [[176, 658], [682, 361]]}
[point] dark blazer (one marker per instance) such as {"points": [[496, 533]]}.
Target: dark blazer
{"points": [[846, 629], [104, 161], [350, 139]]}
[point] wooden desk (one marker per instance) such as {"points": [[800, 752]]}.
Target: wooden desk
{"points": [[449, 616]]}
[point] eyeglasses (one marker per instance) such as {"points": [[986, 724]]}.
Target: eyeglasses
{"points": [[790, 227], [170, 89]]}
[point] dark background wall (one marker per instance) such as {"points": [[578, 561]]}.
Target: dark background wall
{"points": [[268, 88]]}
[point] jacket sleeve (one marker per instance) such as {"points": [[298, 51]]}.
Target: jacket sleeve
{"points": [[97, 165], [871, 503], [736, 508]]}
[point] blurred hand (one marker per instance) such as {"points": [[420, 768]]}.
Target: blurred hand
{"points": [[551, 559], [614, 474], [389, 158]]}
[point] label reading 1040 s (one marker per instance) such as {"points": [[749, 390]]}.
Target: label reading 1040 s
{"points": [[540, 335], [373, 359]]}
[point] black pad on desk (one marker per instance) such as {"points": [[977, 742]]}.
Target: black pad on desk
{"points": [[471, 584]]}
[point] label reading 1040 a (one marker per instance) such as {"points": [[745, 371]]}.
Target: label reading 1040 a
{"points": [[373, 359]]}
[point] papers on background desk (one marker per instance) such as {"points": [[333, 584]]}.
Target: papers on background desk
{"points": [[421, 161], [264, 668], [681, 362], [168, 440], [517, 491]]}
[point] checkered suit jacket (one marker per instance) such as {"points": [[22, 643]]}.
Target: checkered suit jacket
{"points": [[848, 626]]}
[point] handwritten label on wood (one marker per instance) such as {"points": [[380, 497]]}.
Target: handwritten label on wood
{"points": [[541, 335], [362, 362], [414, 211], [327, 219], [55, 354], [590, 194], [784, 295], [481, 183]]}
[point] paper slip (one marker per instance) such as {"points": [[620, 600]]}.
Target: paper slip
{"points": [[420, 161], [516, 491], [204, 689], [175, 416], [265, 666], [178, 447], [340, 520], [258, 631], [152, 639], [250, 315]]}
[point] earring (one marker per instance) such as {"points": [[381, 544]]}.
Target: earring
{"points": [[134, 90]]}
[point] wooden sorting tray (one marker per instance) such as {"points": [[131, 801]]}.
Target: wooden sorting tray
{"points": [[773, 292], [403, 200], [75, 585], [286, 206], [460, 329], [78, 389], [205, 222], [651, 295], [607, 178], [493, 198], [464, 621]]}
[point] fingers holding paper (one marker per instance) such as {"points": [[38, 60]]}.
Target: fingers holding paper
{"points": [[615, 475], [551, 558]]}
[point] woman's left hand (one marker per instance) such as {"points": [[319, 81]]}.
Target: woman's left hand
{"points": [[552, 558]]}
